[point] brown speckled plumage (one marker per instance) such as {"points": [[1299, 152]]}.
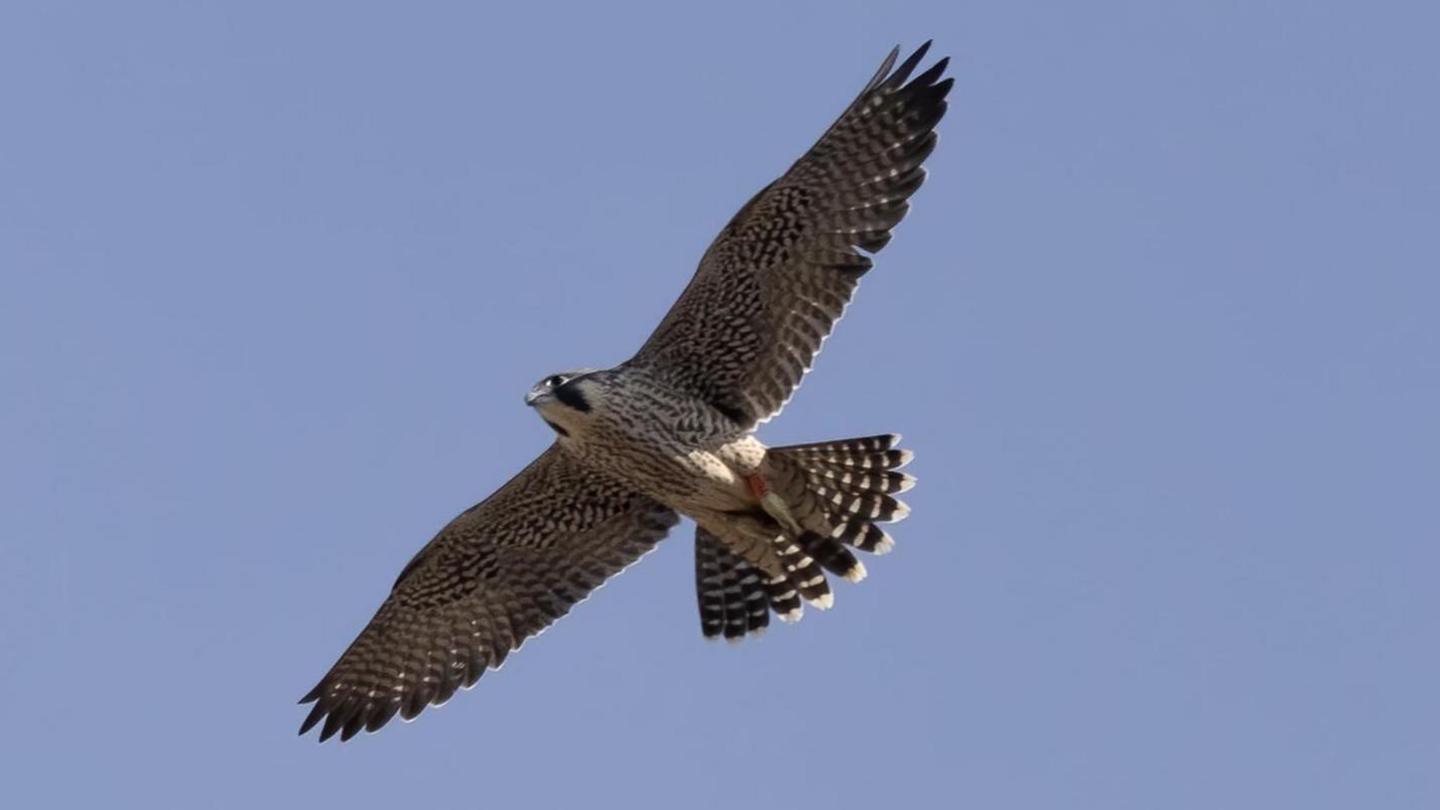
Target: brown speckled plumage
{"points": [[670, 433], [498, 574], [780, 274]]}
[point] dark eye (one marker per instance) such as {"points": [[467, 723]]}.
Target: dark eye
{"points": [[554, 381]]}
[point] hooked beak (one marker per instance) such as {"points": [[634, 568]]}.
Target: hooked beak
{"points": [[533, 398]]}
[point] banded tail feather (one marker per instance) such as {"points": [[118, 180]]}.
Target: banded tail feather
{"points": [[804, 572], [832, 556], [733, 595], [784, 599], [838, 491], [865, 453], [850, 486]]}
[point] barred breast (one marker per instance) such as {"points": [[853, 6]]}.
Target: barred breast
{"points": [[674, 447]]}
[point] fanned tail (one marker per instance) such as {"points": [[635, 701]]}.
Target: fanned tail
{"points": [[853, 483], [837, 492]]}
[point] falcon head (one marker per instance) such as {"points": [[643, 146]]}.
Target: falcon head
{"points": [[566, 400]]}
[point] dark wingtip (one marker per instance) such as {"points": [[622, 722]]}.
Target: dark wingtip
{"points": [[908, 66], [941, 65], [929, 77], [884, 69], [315, 716], [352, 728]]}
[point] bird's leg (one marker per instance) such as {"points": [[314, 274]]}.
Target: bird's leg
{"points": [[773, 504]]}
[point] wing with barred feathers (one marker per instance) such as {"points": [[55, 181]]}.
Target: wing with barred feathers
{"points": [[775, 280], [496, 575]]}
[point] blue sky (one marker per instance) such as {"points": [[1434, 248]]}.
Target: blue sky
{"points": [[1161, 328]]}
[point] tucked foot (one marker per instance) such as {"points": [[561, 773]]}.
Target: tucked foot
{"points": [[772, 503]]}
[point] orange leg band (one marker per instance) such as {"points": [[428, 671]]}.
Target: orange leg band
{"points": [[757, 485]]}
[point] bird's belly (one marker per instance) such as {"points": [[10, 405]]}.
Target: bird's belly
{"points": [[691, 481], [717, 485], [688, 478]]}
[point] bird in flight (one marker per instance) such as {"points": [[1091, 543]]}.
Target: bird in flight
{"points": [[671, 432]]}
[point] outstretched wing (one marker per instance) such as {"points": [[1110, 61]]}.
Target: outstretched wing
{"points": [[776, 279], [499, 573]]}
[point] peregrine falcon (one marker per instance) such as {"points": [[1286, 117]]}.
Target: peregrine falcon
{"points": [[671, 432]]}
